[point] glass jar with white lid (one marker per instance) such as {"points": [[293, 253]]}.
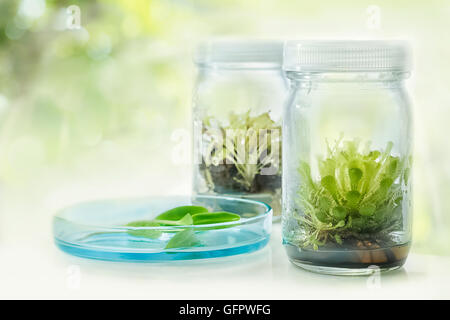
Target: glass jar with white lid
{"points": [[237, 108], [347, 156]]}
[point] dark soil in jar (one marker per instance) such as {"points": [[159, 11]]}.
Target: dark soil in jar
{"points": [[222, 177], [357, 255]]}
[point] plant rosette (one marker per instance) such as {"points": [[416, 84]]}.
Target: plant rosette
{"points": [[242, 156], [357, 195]]}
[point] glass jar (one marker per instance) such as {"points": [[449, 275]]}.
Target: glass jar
{"points": [[237, 110], [347, 156]]}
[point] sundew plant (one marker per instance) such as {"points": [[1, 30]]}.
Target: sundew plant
{"points": [[357, 195], [249, 143]]}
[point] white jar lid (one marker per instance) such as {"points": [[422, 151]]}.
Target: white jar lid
{"points": [[240, 52], [342, 56]]}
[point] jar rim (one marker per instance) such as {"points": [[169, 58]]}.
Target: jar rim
{"points": [[347, 56], [238, 52]]}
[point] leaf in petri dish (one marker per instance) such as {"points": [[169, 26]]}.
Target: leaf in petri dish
{"points": [[183, 239]]}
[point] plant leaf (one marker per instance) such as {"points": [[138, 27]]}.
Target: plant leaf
{"points": [[367, 210], [322, 216], [183, 239], [151, 234], [329, 183], [186, 220], [179, 212], [355, 175], [215, 217], [325, 204], [352, 198], [339, 213], [340, 224]]}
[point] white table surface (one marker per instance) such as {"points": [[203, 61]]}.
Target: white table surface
{"points": [[37, 269]]}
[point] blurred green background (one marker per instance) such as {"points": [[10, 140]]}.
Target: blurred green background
{"points": [[102, 109]]}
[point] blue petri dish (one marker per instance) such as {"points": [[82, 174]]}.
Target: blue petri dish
{"points": [[97, 229]]}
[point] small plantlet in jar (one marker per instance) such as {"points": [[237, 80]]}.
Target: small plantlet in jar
{"points": [[356, 198], [242, 156]]}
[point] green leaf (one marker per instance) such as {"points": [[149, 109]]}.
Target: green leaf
{"points": [[179, 212], [340, 224], [367, 210], [215, 217], [183, 239], [385, 184], [329, 183], [186, 220], [358, 223], [327, 167], [305, 174], [339, 213], [142, 223], [352, 198], [373, 155], [370, 170], [393, 166], [325, 204], [321, 216], [355, 175], [151, 234], [263, 121]]}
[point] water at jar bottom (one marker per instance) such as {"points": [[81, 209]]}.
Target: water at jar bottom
{"points": [[349, 261]]}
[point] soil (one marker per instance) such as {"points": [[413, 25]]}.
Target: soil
{"points": [[223, 176], [361, 254]]}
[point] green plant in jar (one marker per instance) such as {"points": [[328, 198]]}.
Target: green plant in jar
{"points": [[357, 198], [236, 154]]}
